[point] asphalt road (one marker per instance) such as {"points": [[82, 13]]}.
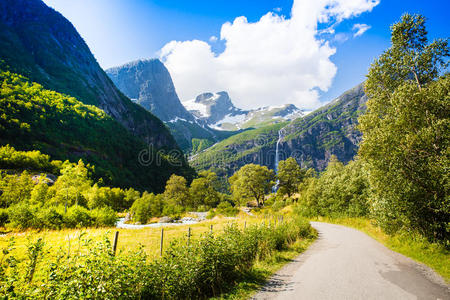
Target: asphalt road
{"points": [[345, 263]]}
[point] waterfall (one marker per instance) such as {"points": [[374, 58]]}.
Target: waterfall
{"points": [[277, 158]]}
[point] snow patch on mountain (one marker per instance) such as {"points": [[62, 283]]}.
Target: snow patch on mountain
{"points": [[198, 109]]}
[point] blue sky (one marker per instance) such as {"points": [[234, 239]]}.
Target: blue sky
{"points": [[118, 31]]}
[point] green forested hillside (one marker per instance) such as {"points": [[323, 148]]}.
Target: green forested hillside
{"points": [[251, 146], [33, 118], [39, 43], [311, 140]]}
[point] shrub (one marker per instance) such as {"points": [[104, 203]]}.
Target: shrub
{"points": [[103, 217], [225, 208], [78, 216], [50, 217], [3, 217], [277, 205], [146, 207], [204, 268], [22, 215]]}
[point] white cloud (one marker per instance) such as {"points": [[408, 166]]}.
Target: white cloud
{"points": [[270, 62], [341, 37], [359, 29], [213, 39]]}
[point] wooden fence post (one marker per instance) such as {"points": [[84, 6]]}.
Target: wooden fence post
{"points": [[189, 236], [211, 231], [68, 251], [116, 238], [245, 225], [162, 241]]}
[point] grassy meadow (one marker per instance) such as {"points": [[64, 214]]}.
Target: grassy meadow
{"points": [[129, 239], [231, 263]]}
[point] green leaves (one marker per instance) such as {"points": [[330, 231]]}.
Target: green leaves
{"points": [[206, 267], [410, 58], [290, 175], [406, 132], [339, 191], [252, 182], [33, 118]]}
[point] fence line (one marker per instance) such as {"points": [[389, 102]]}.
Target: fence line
{"points": [[189, 233]]}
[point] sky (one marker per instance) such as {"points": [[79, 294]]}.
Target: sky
{"points": [[263, 52]]}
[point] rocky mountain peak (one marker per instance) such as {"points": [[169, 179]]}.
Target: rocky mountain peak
{"points": [[148, 83], [212, 107], [219, 112]]}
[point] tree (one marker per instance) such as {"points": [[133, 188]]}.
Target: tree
{"points": [[252, 182], [406, 132], [176, 192], [146, 207], [71, 186], [203, 190], [15, 189], [409, 59], [341, 190], [289, 176]]}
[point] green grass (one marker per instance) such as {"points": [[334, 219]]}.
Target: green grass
{"points": [[409, 244], [248, 281], [129, 239], [263, 270]]}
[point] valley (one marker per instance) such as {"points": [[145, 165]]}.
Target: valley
{"points": [[143, 155]]}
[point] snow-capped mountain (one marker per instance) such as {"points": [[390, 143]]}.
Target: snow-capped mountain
{"points": [[218, 111], [148, 83]]}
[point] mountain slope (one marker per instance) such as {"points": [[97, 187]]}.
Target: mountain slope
{"points": [[218, 111], [330, 130], [39, 43], [148, 83], [61, 126], [312, 140]]}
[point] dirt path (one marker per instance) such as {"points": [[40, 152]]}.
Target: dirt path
{"points": [[345, 263]]}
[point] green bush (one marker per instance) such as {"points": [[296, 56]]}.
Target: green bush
{"points": [[103, 217], [226, 209], [23, 215], [146, 207], [78, 216], [50, 217], [341, 190], [277, 205], [213, 263], [206, 267], [3, 217]]}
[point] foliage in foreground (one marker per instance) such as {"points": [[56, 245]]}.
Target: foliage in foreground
{"points": [[203, 268]]}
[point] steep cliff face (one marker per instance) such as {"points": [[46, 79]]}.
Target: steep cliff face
{"points": [[39, 43], [330, 130], [311, 140], [148, 83]]}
